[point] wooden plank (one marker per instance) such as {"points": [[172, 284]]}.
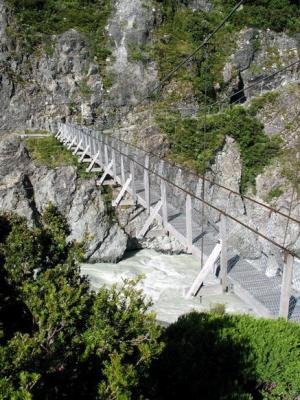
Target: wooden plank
{"points": [[122, 170], [150, 219], [106, 154], [122, 192], [58, 133], [114, 167], [71, 143], [286, 286], [208, 267]]}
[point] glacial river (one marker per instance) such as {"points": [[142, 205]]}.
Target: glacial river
{"points": [[166, 279]]}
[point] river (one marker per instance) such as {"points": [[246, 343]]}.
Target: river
{"points": [[166, 279]]}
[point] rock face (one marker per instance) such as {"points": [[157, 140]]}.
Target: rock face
{"points": [[259, 54], [63, 82], [35, 89], [26, 189], [133, 74], [200, 5]]}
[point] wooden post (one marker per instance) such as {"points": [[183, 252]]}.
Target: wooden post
{"points": [[147, 183], [105, 153], [113, 154], [188, 216], [286, 286], [223, 258], [99, 148], [92, 147], [163, 191], [122, 170], [133, 180]]}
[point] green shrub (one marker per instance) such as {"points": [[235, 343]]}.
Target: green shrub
{"points": [[198, 139], [274, 193], [278, 15], [183, 30], [228, 357], [37, 20], [58, 338], [259, 103], [50, 152]]}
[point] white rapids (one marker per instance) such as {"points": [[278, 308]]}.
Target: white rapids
{"points": [[166, 280]]}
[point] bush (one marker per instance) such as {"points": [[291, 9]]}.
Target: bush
{"points": [[228, 357], [50, 152], [199, 139], [59, 339], [278, 15], [37, 20]]}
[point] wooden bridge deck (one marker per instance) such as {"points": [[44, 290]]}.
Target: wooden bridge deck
{"points": [[262, 293]]}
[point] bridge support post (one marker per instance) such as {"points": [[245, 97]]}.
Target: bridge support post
{"points": [[100, 158], [223, 257], [124, 188], [286, 286], [147, 183], [105, 153], [163, 190], [114, 168], [133, 188], [71, 143], [84, 153], [77, 147], [122, 170], [105, 173], [150, 219], [189, 228]]}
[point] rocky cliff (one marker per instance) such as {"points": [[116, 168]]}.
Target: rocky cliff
{"points": [[63, 82], [27, 188]]}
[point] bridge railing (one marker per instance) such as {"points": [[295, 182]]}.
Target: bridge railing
{"points": [[183, 191]]}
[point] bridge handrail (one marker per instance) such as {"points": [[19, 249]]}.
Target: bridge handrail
{"points": [[173, 164]]}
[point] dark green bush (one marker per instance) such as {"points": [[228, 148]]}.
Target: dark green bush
{"points": [[58, 339], [208, 356]]}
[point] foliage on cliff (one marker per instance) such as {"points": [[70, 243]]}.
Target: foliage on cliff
{"points": [[37, 20], [195, 141], [183, 30], [50, 152], [201, 80]]}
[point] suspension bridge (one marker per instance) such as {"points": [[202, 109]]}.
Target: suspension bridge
{"points": [[150, 182], [203, 226]]}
